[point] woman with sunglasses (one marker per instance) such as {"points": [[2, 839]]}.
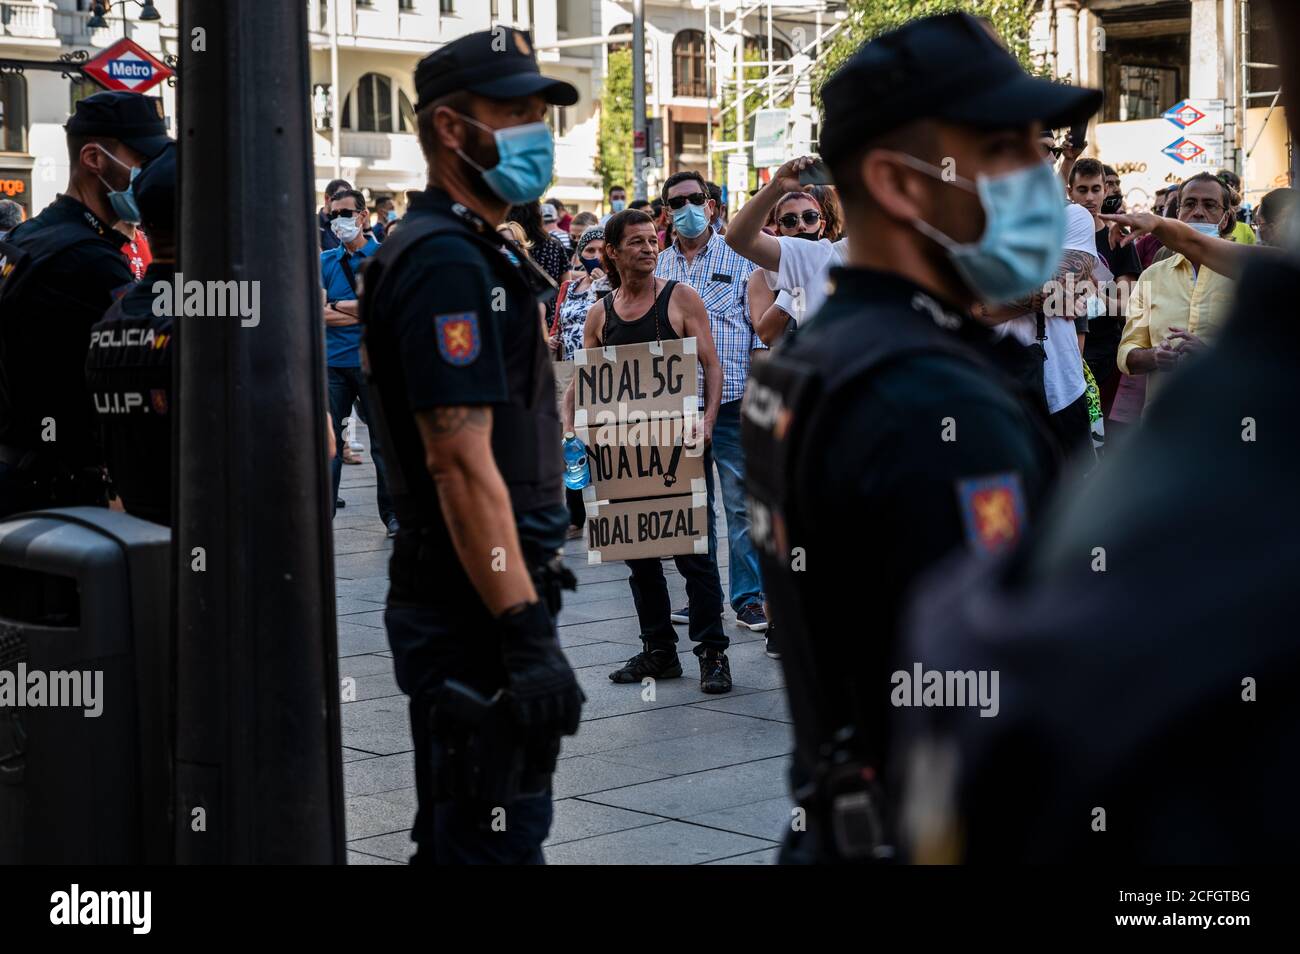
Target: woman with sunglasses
{"points": [[795, 215]]}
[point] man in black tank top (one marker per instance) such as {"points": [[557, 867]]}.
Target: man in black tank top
{"points": [[665, 310]]}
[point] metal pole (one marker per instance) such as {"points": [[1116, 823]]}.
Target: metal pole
{"points": [[710, 78], [771, 60], [258, 772], [740, 94], [336, 96], [638, 99]]}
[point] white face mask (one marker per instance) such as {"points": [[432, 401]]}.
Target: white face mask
{"points": [[345, 229]]}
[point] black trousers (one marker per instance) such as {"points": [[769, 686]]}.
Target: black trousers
{"points": [[1073, 428], [431, 645], [703, 591]]}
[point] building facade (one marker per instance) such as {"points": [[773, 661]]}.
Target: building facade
{"points": [[1152, 55]]}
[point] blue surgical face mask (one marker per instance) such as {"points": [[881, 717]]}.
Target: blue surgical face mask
{"points": [[1206, 228], [618, 205], [123, 203], [1024, 231], [690, 221], [392, 216], [525, 161], [589, 263]]}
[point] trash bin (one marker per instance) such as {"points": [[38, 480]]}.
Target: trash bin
{"points": [[85, 619]]}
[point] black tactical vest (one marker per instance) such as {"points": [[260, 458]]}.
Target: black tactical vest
{"points": [[526, 435]]}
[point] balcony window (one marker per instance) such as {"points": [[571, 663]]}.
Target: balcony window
{"points": [[688, 64], [406, 6], [447, 6], [380, 102], [13, 112], [405, 113]]}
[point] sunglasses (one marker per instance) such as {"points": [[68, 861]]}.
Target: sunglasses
{"points": [[679, 201], [344, 213], [791, 219]]}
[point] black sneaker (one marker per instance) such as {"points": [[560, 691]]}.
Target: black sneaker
{"points": [[392, 527], [655, 663], [715, 671], [752, 617], [339, 503], [682, 615], [770, 647]]}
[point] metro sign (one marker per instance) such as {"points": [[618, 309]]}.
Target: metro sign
{"points": [[126, 65], [1183, 150], [1184, 115]]}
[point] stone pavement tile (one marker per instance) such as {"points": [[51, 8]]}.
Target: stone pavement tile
{"points": [[605, 698], [373, 618], [765, 857], [575, 819], [357, 640], [770, 704], [404, 798], [667, 843], [380, 685], [752, 668], [352, 566], [607, 655], [394, 848], [624, 630], [768, 819], [365, 665], [347, 605], [653, 725], [367, 815], [374, 711], [582, 775], [387, 738], [382, 774], [351, 755], [372, 588], [571, 637], [609, 608], [361, 540], [590, 592], [357, 858], [758, 739], [598, 573], [714, 790]]}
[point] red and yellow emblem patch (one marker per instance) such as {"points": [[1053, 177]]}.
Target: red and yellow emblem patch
{"points": [[458, 337], [992, 510]]}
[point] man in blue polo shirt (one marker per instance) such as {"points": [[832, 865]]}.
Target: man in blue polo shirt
{"points": [[338, 274]]}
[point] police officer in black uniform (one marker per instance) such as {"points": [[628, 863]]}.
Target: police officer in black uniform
{"points": [[1144, 633], [464, 396], [59, 272], [884, 436], [129, 365]]}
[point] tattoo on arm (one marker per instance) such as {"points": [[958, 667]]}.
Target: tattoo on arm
{"points": [[1079, 264], [450, 421]]}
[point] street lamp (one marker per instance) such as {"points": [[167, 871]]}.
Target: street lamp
{"points": [[97, 22]]}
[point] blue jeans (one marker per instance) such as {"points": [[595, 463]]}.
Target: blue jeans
{"points": [[346, 387], [743, 579]]}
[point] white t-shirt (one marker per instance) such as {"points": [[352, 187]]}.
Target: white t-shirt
{"points": [[1063, 370], [806, 265]]}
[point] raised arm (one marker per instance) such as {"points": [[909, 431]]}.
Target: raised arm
{"points": [[745, 233]]}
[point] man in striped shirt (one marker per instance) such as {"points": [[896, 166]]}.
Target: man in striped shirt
{"points": [[699, 257]]}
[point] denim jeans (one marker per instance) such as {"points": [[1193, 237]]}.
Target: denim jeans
{"points": [[743, 579], [431, 645], [346, 387]]}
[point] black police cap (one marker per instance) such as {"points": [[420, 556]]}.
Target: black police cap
{"points": [[497, 63], [127, 117], [949, 67], [155, 191]]}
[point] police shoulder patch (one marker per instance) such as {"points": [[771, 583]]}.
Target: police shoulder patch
{"points": [[459, 341], [992, 511]]}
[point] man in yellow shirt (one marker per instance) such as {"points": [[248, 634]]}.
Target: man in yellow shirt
{"points": [[1237, 231], [1178, 305]]}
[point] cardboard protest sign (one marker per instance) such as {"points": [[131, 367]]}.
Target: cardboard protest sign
{"points": [[634, 407], [652, 527], [642, 459], [617, 383]]}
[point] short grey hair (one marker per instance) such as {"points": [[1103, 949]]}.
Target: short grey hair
{"points": [[11, 214]]}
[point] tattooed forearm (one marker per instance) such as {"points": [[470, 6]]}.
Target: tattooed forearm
{"points": [[449, 421]]}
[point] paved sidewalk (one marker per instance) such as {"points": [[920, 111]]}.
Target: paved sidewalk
{"points": [[684, 779]]}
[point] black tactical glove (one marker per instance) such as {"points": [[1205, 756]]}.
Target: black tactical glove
{"points": [[546, 698]]}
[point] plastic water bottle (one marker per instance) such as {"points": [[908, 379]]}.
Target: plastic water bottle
{"points": [[576, 475]]}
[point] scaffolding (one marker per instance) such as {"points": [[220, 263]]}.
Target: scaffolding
{"points": [[1246, 95]]}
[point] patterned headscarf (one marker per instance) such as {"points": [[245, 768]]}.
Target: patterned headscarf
{"points": [[591, 235]]}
